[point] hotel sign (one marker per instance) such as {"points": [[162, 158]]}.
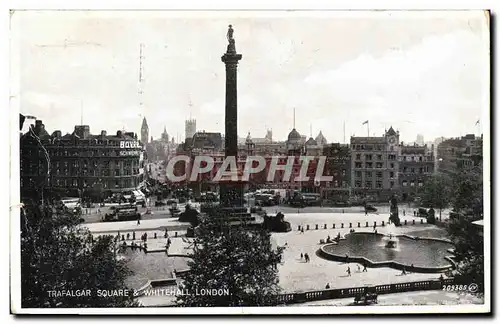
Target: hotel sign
{"points": [[130, 144]]}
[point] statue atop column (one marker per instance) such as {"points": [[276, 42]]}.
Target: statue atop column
{"points": [[231, 46]]}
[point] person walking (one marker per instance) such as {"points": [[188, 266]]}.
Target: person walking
{"points": [[327, 286], [348, 271], [301, 256], [364, 268]]}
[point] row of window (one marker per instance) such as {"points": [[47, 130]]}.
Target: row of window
{"points": [[369, 147], [96, 172], [369, 174], [370, 165], [95, 164], [88, 153]]}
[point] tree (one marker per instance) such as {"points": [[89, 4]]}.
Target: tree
{"points": [[436, 192], [467, 202], [236, 259], [57, 255]]}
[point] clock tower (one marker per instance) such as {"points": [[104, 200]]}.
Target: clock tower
{"points": [[392, 139]]}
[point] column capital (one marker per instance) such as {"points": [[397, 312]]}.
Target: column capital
{"points": [[229, 58]]}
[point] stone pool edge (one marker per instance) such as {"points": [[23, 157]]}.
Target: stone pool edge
{"points": [[388, 264]]}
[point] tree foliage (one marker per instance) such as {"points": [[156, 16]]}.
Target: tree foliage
{"points": [[237, 258], [58, 255], [467, 203], [436, 192]]}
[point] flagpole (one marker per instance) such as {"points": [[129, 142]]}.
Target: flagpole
{"points": [[368, 126], [344, 131]]}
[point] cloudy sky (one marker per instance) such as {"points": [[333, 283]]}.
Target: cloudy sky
{"points": [[423, 73]]}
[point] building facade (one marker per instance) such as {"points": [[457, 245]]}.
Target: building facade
{"points": [[416, 166], [374, 166], [338, 165], [81, 164], [454, 154]]}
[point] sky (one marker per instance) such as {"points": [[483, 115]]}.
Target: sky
{"points": [[420, 72]]}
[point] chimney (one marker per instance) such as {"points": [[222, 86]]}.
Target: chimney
{"points": [[119, 134], [103, 133]]}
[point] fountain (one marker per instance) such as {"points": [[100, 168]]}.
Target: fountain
{"points": [[391, 242]]}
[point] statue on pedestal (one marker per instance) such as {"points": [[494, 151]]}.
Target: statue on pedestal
{"points": [[231, 46], [394, 212]]}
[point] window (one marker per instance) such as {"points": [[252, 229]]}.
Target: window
{"points": [[369, 184], [358, 165], [412, 184], [391, 174], [343, 172], [392, 157], [405, 169], [421, 170], [412, 170], [379, 157], [379, 184], [357, 184], [392, 184], [392, 165], [405, 183], [404, 158], [357, 174], [335, 183], [368, 157], [369, 165], [413, 158], [358, 156], [379, 165], [379, 174], [368, 174], [420, 159], [420, 184]]}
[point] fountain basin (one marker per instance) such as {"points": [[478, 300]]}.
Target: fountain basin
{"points": [[428, 255]]}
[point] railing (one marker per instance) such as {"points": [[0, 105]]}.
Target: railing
{"points": [[302, 297]]}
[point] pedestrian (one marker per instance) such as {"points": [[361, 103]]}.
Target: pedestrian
{"points": [[359, 268], [404, 212], [364, 268], [301, 256], [128, 236], [366, 212], [403, 273], [327, 286], [415, 213], [346, 258], [348, 271]]}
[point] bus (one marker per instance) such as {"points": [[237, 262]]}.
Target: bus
{"points": [[122, 213], [71, 202]]}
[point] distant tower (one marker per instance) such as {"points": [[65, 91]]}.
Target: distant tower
{"points": [[190, 128], [144, 131]]}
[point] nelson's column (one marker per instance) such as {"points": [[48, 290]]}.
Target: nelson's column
{"points": [[231, 193]]}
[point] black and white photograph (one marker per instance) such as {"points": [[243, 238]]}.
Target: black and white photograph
{"points": [[250, 162]]}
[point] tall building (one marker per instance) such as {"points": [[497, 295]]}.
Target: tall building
{"points": [[190, 128], [374, 166], [144, 132], [338, 165], [456, 153], [416, 166], [420, 140], [80, 163]]}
